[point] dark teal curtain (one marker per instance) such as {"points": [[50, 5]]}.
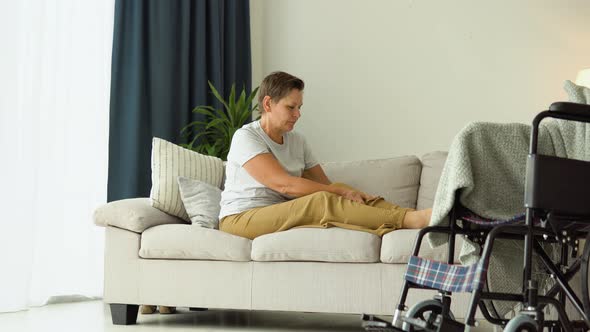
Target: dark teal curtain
{"points": [[163, 54]]}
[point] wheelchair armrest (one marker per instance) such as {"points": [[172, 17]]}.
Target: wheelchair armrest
{"points": [[559, 110], [573, 109]]}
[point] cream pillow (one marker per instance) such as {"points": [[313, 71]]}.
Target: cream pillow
{"points": [[169, 161], [134, 214]]}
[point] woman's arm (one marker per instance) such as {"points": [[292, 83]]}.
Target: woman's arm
{"points": [[316, 174], [268, 171]]}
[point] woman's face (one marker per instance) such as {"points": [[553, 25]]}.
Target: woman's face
{"points": [[285, 113]]}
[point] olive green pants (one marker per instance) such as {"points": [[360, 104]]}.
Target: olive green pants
{"points": [[321, 210]]}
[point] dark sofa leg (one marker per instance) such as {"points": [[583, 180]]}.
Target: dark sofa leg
{"points": [[198, 309], [124, 314]]}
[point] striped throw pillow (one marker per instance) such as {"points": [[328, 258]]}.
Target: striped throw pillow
{"points": [[169, 161]]}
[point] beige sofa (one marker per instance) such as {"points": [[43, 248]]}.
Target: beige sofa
{"points": [[155, 258]]}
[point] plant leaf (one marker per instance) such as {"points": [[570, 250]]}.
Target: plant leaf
{"points": [[221, 114], [218, 124], [231, 103], [194, 124], [240, 107], [211, 108], [202, 133], [215, 132], [204, 111], [251, 97], [244, 117], [217, 95]]}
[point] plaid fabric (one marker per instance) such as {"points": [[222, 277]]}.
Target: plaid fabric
{"points": [[447, 277], [472, 217]]}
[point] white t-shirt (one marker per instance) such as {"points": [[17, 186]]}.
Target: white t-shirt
{"points": [[242, 192]]}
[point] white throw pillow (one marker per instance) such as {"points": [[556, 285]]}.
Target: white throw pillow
{"points": [[201, 201], [169, 161]]}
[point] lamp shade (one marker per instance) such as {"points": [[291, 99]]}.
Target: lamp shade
{"points": [[583, 78]]}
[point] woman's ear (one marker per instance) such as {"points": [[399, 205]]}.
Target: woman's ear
{"points": [[266, 103]]}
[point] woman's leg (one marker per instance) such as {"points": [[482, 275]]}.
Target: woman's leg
{"points": [[412, 219], [378, 201], [321, 209]]}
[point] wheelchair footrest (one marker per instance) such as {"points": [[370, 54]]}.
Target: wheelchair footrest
{"points": [[445, 325], [376, 324], [450, 325]]}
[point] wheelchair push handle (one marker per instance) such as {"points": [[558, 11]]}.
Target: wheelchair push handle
{"points": [[571, 109], [559, 110]]}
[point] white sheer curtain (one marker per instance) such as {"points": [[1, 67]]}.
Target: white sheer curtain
{"points": [[54, 91]]}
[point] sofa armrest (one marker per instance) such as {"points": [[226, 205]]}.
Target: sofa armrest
{"points": [[134, 214]]}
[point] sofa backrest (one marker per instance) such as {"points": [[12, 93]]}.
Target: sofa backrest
{"points": [[406, 181], [432, 165], [395, 179]]}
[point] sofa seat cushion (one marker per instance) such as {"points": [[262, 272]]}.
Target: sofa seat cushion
{"points": [[317, 244], [193, 242], [397, 246]]}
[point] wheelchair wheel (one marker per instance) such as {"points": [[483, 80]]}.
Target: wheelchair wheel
{"points": [[521, 323], [427, 311], [584, 277]]}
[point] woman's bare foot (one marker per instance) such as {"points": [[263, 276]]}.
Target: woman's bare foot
{"points": [[417, 219]]}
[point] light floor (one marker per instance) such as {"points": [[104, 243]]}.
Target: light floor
{"points": [[95, 316]]}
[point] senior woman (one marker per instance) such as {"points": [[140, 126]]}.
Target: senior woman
{"points": [[274, 183]]}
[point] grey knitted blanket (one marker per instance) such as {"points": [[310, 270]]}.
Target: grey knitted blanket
{"points": [[486, 164]]}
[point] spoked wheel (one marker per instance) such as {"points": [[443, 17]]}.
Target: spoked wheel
{"points": [[427, 311], [521, 323], [584, 277]]}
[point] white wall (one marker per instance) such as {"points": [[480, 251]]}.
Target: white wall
{"points": [[8, 40], [387, 78]]}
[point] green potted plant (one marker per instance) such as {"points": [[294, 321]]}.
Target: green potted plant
{"points": [[213, 136]]}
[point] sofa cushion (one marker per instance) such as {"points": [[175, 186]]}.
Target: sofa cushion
{"points": [[432, 165], [397, 246], [317, 244], [133, 214], [395, 179], [193, 242]]}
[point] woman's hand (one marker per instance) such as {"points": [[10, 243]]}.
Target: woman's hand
{"points": [[368, 197], [357, 196]]}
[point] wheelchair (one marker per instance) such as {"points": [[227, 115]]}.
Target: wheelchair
{"points": [[557, 213]]}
